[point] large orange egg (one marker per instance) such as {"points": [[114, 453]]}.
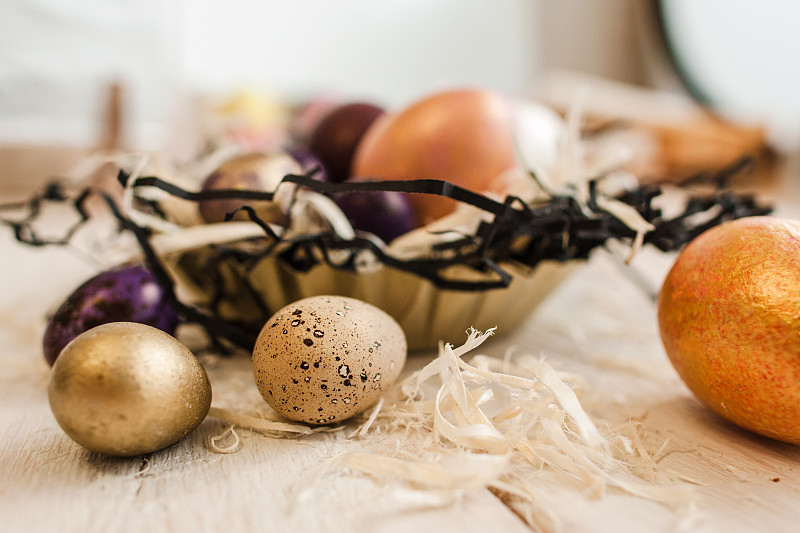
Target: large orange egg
{"points": [[462, 136], [729, 315]]}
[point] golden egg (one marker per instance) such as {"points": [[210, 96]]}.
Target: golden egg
{"points": [[127, 389], [729, 317], [323, 359]]}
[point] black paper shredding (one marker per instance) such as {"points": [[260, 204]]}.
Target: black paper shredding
{"points": [[558, 229]]}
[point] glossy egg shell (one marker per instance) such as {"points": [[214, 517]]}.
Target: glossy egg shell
{"points": [[387, 214], [729, 318], [247, 172], [323, 359], [127, 294], [462, 136], [336, 137], [127, 389]]}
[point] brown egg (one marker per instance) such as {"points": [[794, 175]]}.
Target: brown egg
{"points": [[248, 172], [462, 136], [323, 359]]}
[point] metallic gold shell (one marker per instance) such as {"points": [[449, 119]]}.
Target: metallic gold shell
{"points": [[127, 389]]}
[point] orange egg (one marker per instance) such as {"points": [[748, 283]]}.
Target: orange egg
{"points": [[462, 136], [729, 315]]}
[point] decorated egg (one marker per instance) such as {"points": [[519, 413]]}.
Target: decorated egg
{"points": [[335, 138], [251, 172], [728, 317], [462, 136], [308, 161], [127, 294], [387, 214], [323, 359], [127, 389]]}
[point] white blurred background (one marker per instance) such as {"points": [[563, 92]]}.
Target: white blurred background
{"points": [[58, 58]]}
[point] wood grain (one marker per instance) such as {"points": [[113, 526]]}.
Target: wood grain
{"points": [[597, 323], [49, 483]]}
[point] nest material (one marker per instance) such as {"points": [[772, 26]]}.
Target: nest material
{"points": [[508, 241]]}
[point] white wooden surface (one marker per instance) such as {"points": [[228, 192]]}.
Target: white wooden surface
{"points": [[597, 323]]}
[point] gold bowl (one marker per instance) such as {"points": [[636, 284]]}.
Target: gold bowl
{"points": [[248, 293]]}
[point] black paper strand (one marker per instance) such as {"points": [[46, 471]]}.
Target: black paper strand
{"points": [[558, 229], [216, 328]]}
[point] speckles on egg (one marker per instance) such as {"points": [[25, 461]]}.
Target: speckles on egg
{"points": [[318, 373]]}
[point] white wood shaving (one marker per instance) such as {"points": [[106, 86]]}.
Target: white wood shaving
{"points": [[129, 193], [145, 468], [313, 212], [498, 423], [268, 427], [630, 217], [364, 428], [198, 236], [574, 170], [230, 448]]}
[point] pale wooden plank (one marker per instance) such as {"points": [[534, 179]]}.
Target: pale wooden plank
{"points": [[48, 483], [598, 324]]}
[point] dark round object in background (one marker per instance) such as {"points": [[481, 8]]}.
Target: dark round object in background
{"points": [[337, 135], [128, 294], [215, 210], [261, 172], [307, 160], [387, 214]]}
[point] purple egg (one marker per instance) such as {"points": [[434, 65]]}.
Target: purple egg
{"points": [[307, 161], [128, 294], [336, 136], [387, 214]]}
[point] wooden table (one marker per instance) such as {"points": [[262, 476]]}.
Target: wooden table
{"points": [[598, 323]]}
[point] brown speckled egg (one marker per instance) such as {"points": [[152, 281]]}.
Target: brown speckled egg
{"points": [[323, 359]]}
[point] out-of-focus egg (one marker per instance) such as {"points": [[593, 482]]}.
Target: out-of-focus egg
{"points": [[308, 161], [306, 116], [127, 389], [128, 294], [254, 172], [387, 214], [462, 136], [335, 138], [539, 131], [323, 359]]}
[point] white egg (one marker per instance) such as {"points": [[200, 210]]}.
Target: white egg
{"points": [[538, 131], [323, 359]]}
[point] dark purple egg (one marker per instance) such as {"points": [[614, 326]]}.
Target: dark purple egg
{"points": [[307, 161], [336, 136], [128, 294], [387, 214]]}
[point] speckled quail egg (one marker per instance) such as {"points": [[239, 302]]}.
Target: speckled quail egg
{"points": [[323, 359]]}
